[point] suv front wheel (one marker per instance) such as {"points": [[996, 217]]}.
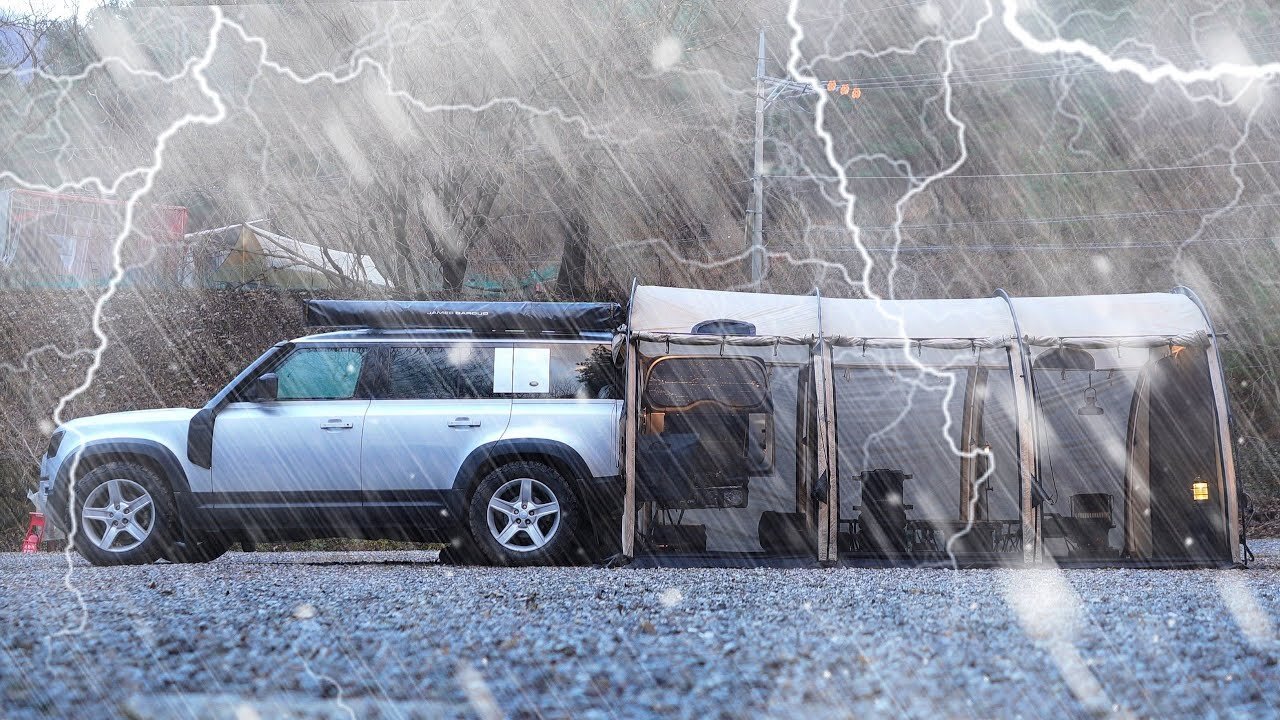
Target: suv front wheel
{"points": [[123, 514], [524, 513]]}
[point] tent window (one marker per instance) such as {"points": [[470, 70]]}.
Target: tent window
{"points": [[905, 489], [686, 383], [724, 327], [1127, 442]]}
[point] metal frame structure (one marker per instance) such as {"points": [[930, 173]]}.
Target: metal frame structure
{"points": [[1024, 394]]}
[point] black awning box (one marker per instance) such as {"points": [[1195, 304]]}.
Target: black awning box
{"points": [[559, 317]]}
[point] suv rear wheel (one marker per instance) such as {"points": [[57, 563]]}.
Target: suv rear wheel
{"points": [[123, 513], [524, 513]]}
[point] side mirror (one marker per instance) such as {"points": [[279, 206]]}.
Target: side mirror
{"points": [[266, 387]]}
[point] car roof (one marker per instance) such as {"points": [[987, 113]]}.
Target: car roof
{"points": [[418, 335]]}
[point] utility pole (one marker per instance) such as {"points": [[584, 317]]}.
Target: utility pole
{"points": [[768, 89], [757, 176]]}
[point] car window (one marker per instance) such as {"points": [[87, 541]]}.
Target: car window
{"points": [[320, 374], [573, 371], [459, 370]]}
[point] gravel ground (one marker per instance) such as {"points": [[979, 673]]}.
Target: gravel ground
{"points": [[397, 635]]}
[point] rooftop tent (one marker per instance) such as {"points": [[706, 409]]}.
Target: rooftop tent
{"points": [[720, 400], [1131, 439]]}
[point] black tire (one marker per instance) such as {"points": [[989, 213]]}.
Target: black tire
{"points": [[462, 551], [522, 548], [162, 519]]}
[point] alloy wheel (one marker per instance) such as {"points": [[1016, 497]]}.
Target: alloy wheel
{"points": [[118, 515], [523, 515]]}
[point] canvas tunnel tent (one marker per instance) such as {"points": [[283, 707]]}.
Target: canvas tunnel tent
{"points": [[1088, 430]]}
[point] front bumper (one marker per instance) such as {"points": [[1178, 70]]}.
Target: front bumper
{"points": [[40, 498]]}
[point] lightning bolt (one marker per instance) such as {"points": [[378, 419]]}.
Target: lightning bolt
{"points": [[338, 700], [1154, 75], [194, 69], [1083, 685], [1148, 74], [1057, 48], [849, 201], [364, 62], [361, 63]]}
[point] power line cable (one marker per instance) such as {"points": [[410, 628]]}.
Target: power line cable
{"points": [[1056, 247], [1040, 70], [1105, 171], [1047, 220], [1185, 52]]}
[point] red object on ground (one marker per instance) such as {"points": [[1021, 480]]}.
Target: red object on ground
{"points": [[35, 533]]}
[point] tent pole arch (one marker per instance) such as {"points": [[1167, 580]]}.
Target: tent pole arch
{"points": [[827, 488], [1224, 419], [1024, 396], [630, 419]]}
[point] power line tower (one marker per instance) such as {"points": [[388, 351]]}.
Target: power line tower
{"points": [[770, 89]]}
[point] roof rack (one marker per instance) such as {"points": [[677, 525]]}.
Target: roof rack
{"points": [[560, 317]]}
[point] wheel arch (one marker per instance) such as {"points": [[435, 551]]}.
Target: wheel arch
{"points": [[489, 457], [148, 453]]}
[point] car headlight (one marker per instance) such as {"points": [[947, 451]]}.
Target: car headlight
{"points": [[55, 441]]}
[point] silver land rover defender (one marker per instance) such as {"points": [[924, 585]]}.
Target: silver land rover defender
{"points": [[492, 426]]}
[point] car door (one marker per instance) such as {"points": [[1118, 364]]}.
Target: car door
{"points": [[433, 407], [302, 447]]}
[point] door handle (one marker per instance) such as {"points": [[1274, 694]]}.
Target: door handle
{"points": [[463, 422], [336, 424]]}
